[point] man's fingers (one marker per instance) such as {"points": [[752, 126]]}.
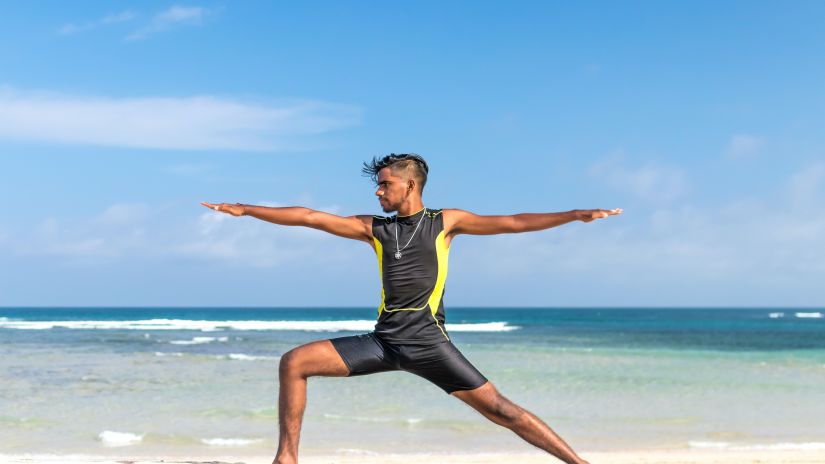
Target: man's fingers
{"points": [[211, 206], [603, 213], [609, 212]]}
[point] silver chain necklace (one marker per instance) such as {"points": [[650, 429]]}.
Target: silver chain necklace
{"points": [[398, 250]]}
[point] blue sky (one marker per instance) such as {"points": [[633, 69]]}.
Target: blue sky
{"points": [[704, 121]]}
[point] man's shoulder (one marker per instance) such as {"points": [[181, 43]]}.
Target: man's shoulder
{"points": [[452, 212]]}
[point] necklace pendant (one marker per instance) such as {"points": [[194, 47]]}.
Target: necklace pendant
{"points": [[397, 255]]}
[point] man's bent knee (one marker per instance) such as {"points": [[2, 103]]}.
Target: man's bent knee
{"points": [[290, 363]]}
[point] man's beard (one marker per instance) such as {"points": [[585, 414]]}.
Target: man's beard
{"points": [[387, 207]]}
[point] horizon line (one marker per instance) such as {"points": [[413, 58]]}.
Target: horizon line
{"points": [[371, 307]]}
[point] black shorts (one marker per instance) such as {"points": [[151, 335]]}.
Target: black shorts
{"points": [[440, 363]]}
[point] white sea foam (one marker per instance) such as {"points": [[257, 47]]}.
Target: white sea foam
{"points": [[709, 444], [482, 327], [110, 438], [230, 441], [810, 446], [199, 340], [158, 353], [247, 357], [357, 418], [211, 326], [776, 315], [408, 421], [230, 356], [56, 458], [809, 315], [356, 452]]}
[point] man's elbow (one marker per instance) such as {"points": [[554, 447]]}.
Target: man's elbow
{"points": [[308, 218], [516, 224]]}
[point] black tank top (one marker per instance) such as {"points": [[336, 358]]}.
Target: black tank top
{"points": [[412, 287]]}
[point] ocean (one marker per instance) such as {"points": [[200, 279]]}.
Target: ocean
{"points": [[201, 381]]}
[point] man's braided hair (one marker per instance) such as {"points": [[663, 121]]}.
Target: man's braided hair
{"points": [[414, 165]]}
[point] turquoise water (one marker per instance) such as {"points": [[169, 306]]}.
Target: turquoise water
{"points": [[200, 381]]}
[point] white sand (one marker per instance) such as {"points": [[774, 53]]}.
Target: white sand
{"points": [[625, 457]]}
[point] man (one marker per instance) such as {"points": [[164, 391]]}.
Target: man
{"points": [[412, 249]]}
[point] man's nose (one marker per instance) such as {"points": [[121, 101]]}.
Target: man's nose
{"points": [[379, 192]]}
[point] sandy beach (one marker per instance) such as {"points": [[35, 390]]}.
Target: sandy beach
{"points": [[622, 457]]}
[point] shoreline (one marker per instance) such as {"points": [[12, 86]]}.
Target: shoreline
{"points": [[679, 456]]}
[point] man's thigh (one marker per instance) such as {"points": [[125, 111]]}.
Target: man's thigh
{"points": [[365, 354], [442, 364], [315, 358]]}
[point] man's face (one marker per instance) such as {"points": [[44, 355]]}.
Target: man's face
{"points": [[392, 190]]}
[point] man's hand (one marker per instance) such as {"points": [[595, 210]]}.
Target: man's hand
{"points": [[236, 210], [587, 215]]}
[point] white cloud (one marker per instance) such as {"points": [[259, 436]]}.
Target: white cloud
{"points": [[130, 231], [744, 146], [764, 251], [116, 231], [172, 17], [74, 28], [177, 14], [804, 187], [122, 214], [655, 184], [250, 242], [121, 17], [255, 243], [183, 123]]}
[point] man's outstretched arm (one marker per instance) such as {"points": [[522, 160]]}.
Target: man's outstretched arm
{"points": [[354, 227], [457, 221]]}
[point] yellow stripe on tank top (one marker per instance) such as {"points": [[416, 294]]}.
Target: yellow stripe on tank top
{"points": [[442, 253], [379, 250]]}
